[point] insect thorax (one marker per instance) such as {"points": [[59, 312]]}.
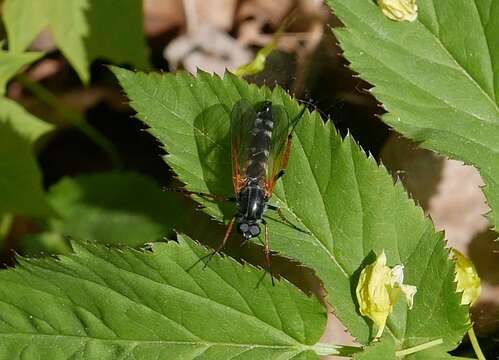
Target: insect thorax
{"points": [[252, 203]]}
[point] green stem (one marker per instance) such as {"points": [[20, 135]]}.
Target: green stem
{"points": [[338, 350], [475, 344], [5, 224], [73, 117], [419, 348]]}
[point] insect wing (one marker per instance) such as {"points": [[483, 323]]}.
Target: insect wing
{"points": [[277, 156], [241, 125]]}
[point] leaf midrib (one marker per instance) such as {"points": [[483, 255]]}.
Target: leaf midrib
{"points": [[152, 98], [316, 237], [299, 347], [265, 324], [462, 68]]}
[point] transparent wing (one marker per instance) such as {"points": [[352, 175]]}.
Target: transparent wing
{"points": [[277, 155], [241, 125], [281, 145]]}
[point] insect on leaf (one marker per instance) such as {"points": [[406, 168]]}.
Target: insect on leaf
{"points": [[242, 122], [347, 203], [244, 117]]}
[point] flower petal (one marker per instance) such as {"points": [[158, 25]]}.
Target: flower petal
{"points": [[467, 278], [379, 288], [399, 10]]}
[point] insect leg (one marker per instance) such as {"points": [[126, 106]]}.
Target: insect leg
{"points": [[205, 195], [279, 175], [284, 219], [286, 156], [266, 250], [224, 241]]}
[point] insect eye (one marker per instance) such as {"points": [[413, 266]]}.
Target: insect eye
{"points": [[243, 227], [254, 230]]}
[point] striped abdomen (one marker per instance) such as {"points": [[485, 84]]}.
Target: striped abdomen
{"points": [[260, 145]]}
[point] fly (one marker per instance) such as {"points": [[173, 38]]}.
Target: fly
{"points": [[260, 147]]}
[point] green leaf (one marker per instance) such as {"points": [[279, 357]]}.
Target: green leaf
{"points": [[6, 221], [438, 77], [23, 122], [381, 350], [26, 124], [21, 189], [44, 243], [114, 208], [349, 205], [11, 63], [126, 42], [103, 303], [81, 29]]}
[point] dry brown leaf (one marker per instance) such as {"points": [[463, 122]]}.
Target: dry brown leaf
{"points": [[219, 13], [268, 12], [209, 49]]}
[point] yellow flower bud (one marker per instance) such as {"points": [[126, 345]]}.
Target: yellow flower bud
{"points": [[467, 278], [378, 290], [400, 10]]}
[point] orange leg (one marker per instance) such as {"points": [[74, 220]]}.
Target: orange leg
{"points": [[287, 152], [284, 219], [224, 241], [227, 234]]}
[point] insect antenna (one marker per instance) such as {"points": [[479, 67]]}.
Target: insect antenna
{"points": [[297, 120], [315, 107], [287, 150]]}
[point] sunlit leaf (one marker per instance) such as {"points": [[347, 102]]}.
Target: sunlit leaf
{"points": [[44, 243], [438, 77], [21, 189], [102, 303], [11, 63], [22, 121], [81, 29], [380, 350], [114, 208], [348, 204]]}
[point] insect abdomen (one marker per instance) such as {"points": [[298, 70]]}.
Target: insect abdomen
{"points": [[260, 143]]}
